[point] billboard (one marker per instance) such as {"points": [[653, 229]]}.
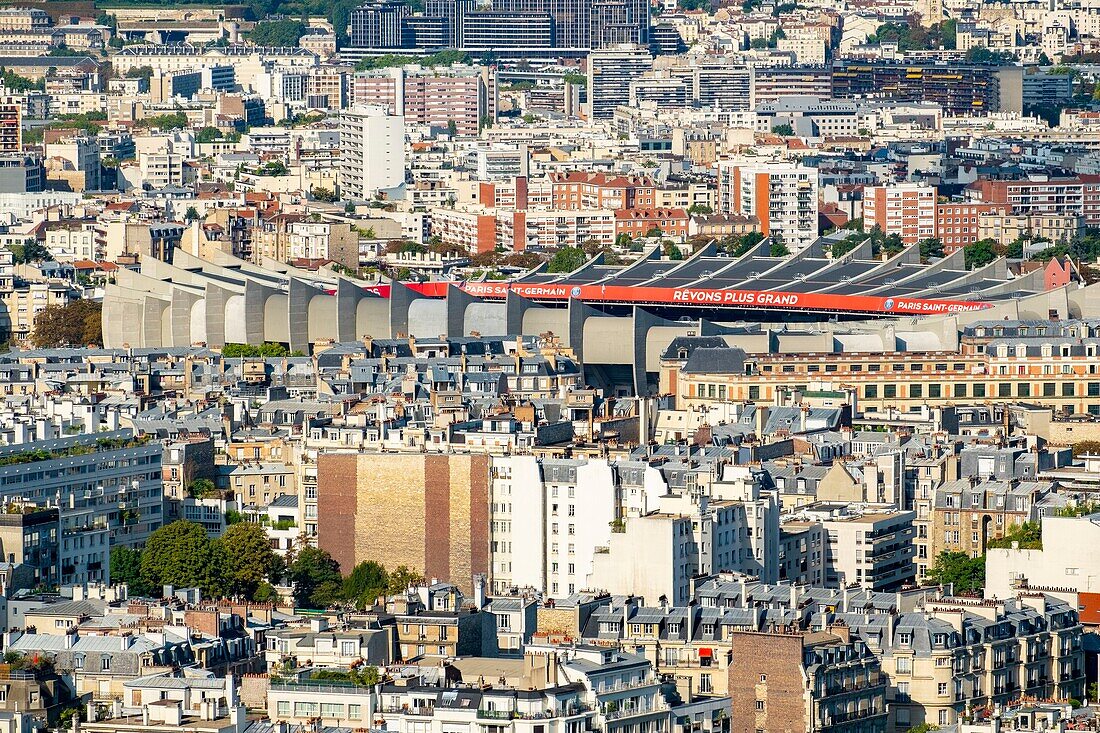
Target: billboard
{"points": [[702, 297]]}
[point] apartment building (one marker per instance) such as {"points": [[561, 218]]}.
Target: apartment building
{"points": [[827, 680], [372, 151], [1060, 373], [959, 224], [956, 654], [579, 190], [869, 548], [107, 487], [1007, 228], [610, 72], [781, 195], [637, 223], [970, 512], [462, 98], [1051, 196], [905, 209]]}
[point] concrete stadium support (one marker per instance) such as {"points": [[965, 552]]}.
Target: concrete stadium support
{"points": [[231, 301]]}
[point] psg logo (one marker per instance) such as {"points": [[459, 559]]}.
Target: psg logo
{"points": [[888, 304], [575, 292]]}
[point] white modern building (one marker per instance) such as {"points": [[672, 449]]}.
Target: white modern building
{"points": [[372, 145]]}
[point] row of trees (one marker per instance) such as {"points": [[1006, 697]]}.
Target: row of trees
{"points": [[239, 563], [242, 564]]}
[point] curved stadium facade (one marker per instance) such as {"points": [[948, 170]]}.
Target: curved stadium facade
{"points": [[618, 317]]}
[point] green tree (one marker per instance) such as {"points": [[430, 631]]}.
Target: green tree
{"points": [[980, 253], [846, 245], [140, 72], [1086, 447], [401, 578], [739, 245], [30, 252], [320, 193], [673, 252], [16, 83], [249, 558], [365, 583], [923, 728], [964, 573], [267, 350], [779, 249], [192, 214], [126, 568], [783, 130], [76, 324], [930, 248], [316, 578], [201, 488], [566, 259], [180, 554], [208, 134], [277, 33], [1028, 535]]}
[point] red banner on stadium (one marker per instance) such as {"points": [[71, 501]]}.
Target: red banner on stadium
{"points": [[697, 297]]}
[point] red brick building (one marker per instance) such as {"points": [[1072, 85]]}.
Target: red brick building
{"points": [[957, 223], [638, 222], [576, 190]]}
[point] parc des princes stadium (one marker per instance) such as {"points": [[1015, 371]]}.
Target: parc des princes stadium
{"points": [[619, 317]]}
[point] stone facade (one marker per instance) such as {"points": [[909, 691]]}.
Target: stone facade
{"points": [[376, 507]]}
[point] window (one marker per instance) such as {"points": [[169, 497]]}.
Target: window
{"points": [[905, 638], [105, 663], [759, 706], [870, 391], [904, 665], [903, 692], [282, 709], [332, 710], [941, 688], [705, 684], [763, 678], [960, 390], [889, 390], [355, 712], [945, 717], [348, 648], [916, 390], [979, 390]]}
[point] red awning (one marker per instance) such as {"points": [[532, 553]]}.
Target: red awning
{"points": [[706, 652]]}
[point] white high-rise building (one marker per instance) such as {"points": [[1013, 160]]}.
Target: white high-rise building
{"points": [[372, 147]]}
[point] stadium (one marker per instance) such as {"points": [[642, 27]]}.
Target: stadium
{"points": [[617, 320]]}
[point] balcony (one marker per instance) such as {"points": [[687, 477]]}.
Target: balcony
{"points": [[635, 711]]}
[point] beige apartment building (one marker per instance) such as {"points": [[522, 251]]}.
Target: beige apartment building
{"points": [[1007, 228], [957, 653], [1062, 373]]}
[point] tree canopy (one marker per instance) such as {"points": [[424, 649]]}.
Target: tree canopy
{"points": [[567, 259], [316, 578], [277, 33], [964, 573], [78, 323], [265, 350]]}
